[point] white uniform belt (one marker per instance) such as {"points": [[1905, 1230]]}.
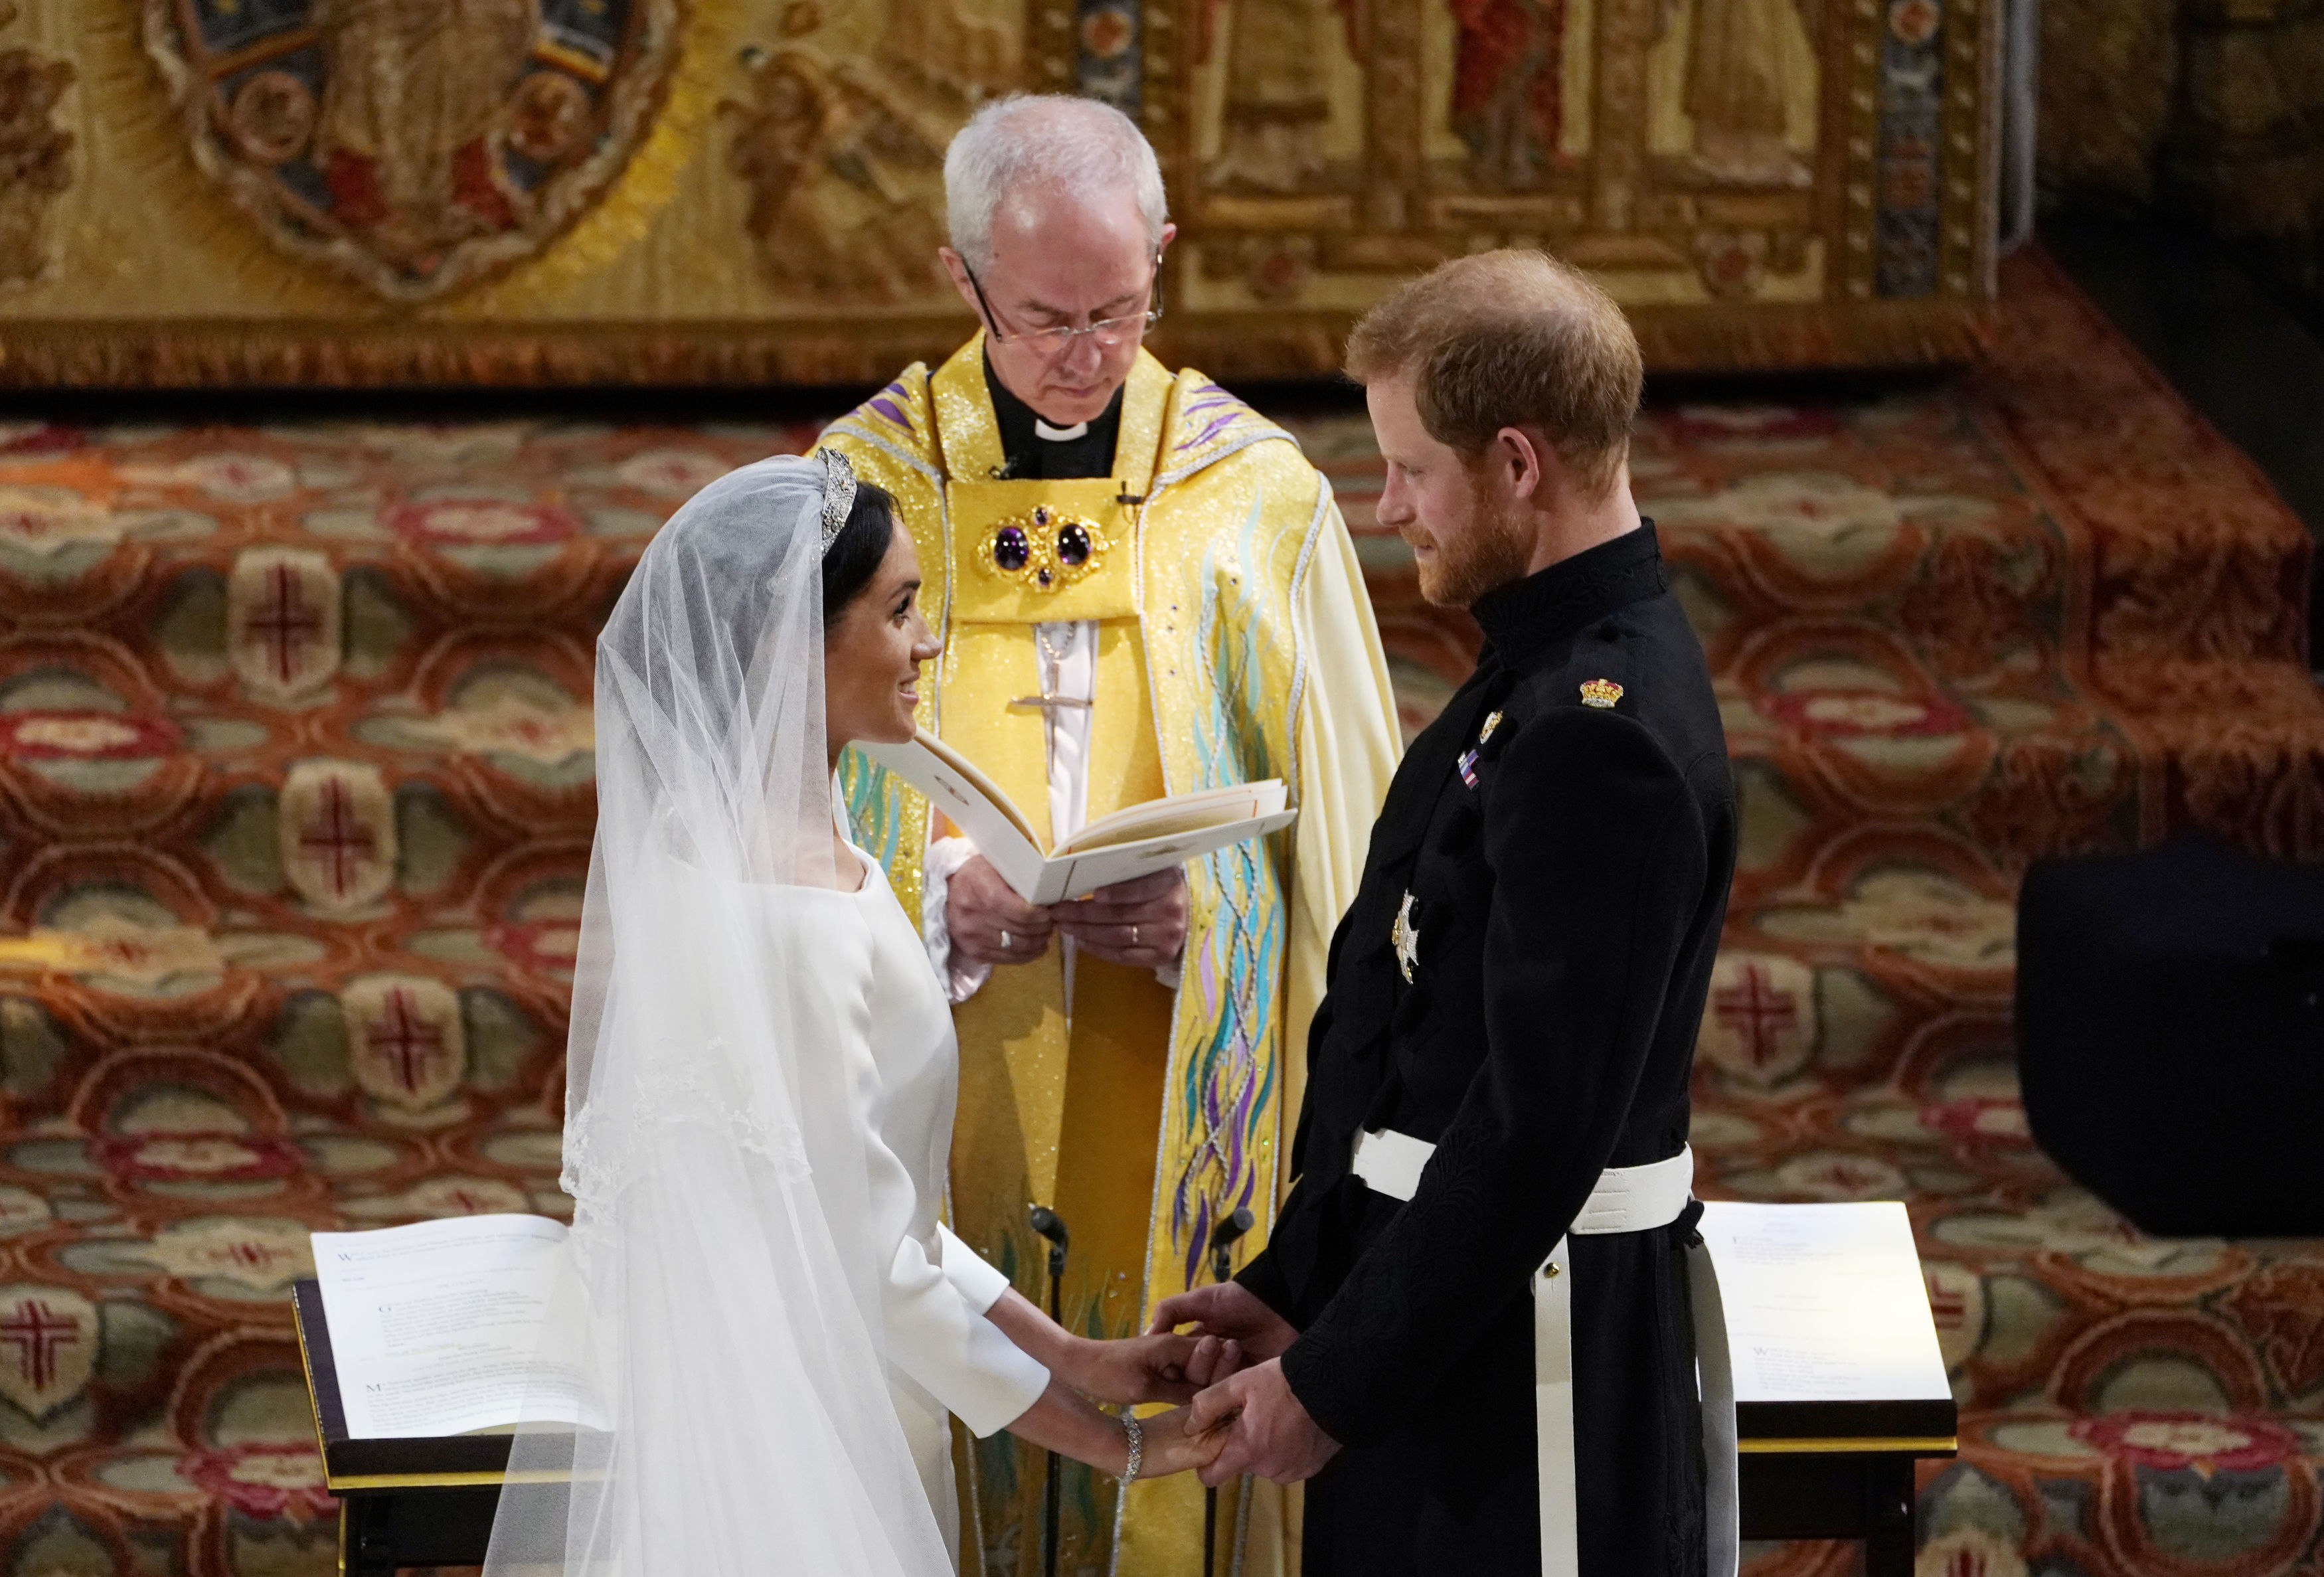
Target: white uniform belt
{"points": [[1627, 1199]]}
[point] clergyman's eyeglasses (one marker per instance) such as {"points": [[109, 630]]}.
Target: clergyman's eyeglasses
{"points": [[1048, 342]]}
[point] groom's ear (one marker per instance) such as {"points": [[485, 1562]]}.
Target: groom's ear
{"points": [[1524, 463]]}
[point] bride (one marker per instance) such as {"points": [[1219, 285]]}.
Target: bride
{"points": [[768, 1324]]}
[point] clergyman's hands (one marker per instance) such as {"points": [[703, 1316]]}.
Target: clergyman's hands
{"points": [[1173, 1445], [979, 909], [1140, 923], [1234, 1314], [1267, 1430]]}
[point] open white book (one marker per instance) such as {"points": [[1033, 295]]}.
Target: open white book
{"points": [[1828, 1319], [1119, 847], [436, 1328]]}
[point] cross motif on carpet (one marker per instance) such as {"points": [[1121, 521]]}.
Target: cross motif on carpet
{"points": [[1756, 1012], [285, 623], [256, 1255], [127, 952], [407, 1040], [1850, 1180], [339, 839], [37, 1333]]}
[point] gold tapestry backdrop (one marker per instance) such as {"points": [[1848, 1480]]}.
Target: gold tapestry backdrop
{"points": [[210, 191]]}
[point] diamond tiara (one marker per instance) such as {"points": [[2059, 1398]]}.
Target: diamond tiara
{"points": [[838, 494]]}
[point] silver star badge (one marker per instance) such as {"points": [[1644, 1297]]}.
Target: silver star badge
{"points": [[1406, 937]]}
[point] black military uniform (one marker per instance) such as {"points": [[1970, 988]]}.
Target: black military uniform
{"points": [[1566, 833]]}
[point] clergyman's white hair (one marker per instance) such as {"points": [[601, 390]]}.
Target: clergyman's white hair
{"points": [[1077, 146]]}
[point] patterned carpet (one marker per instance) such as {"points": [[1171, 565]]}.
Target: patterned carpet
{"points": [[295, 804]]}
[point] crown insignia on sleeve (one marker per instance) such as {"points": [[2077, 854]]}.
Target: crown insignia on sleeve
{"points": [[1600, 693]]}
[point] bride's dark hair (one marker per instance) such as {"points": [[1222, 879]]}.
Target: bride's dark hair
{"points": [[855, 555]]}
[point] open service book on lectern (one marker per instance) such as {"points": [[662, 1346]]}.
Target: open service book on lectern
{"points": [[423, 1343], [426, 1345], [1828, 1327], [1120, 847]]}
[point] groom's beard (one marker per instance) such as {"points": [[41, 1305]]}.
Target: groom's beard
{"points": [[1493, 550]]}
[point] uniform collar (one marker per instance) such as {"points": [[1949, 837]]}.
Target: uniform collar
{"points": [[1526, 615]]}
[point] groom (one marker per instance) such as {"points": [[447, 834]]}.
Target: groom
{"points": [[1473, 1313]]}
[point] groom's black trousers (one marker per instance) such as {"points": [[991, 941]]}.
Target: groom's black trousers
{"points": [[1455, 1492]]}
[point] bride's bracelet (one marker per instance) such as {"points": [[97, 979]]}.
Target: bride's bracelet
{"points": [[1137, 1434]]}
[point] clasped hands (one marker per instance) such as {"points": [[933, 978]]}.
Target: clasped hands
{"points": [[1240, 1414], [1140, 923]]}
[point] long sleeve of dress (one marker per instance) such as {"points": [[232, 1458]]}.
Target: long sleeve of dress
{"points": [[1598, 859], [937, 1334], [934, 1299]]}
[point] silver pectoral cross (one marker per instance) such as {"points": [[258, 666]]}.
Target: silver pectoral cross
{"points": [[1046, 702]]}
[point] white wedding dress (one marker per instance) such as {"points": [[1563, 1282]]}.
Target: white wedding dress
{"points": [[765, 1317], [944, 1356]]}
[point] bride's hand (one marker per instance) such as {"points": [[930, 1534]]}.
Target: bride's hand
{"points": [[1157, 1367], [1171, 1446]]}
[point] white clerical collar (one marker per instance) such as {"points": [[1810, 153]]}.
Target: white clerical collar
{"points": [[1059, 435]]}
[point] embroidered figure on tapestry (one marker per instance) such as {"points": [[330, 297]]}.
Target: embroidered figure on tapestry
{"points": [[415, 146]]}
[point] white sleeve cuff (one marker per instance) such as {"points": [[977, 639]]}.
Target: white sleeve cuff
{"points": [[936, 1335], [1016, 1379], [961, 979], [966, 1270]]}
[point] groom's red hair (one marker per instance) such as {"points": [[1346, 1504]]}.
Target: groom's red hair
{"points": [[1512, 338]]}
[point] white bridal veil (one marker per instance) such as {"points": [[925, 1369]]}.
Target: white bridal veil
{"points": [[722, 1303]]}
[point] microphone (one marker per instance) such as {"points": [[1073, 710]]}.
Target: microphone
{"points": [[1051, 1225], [1223, 1242], [1222, 1239]]}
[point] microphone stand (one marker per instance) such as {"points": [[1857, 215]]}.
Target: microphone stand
{"points": [[1049, 1225], [1223, 1240]]}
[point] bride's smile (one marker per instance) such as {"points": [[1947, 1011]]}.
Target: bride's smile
{"points": [[874, 642]]}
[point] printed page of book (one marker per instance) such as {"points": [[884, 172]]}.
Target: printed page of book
{"points": [[1180, 813], [436, 1327], [1073, 875], [1824, 1303], [1131, 843]]}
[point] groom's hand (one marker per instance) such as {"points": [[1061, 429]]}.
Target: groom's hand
{"points": [[979, 909], [1267, 1432], [1232, 1313], [1140, 923]]}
